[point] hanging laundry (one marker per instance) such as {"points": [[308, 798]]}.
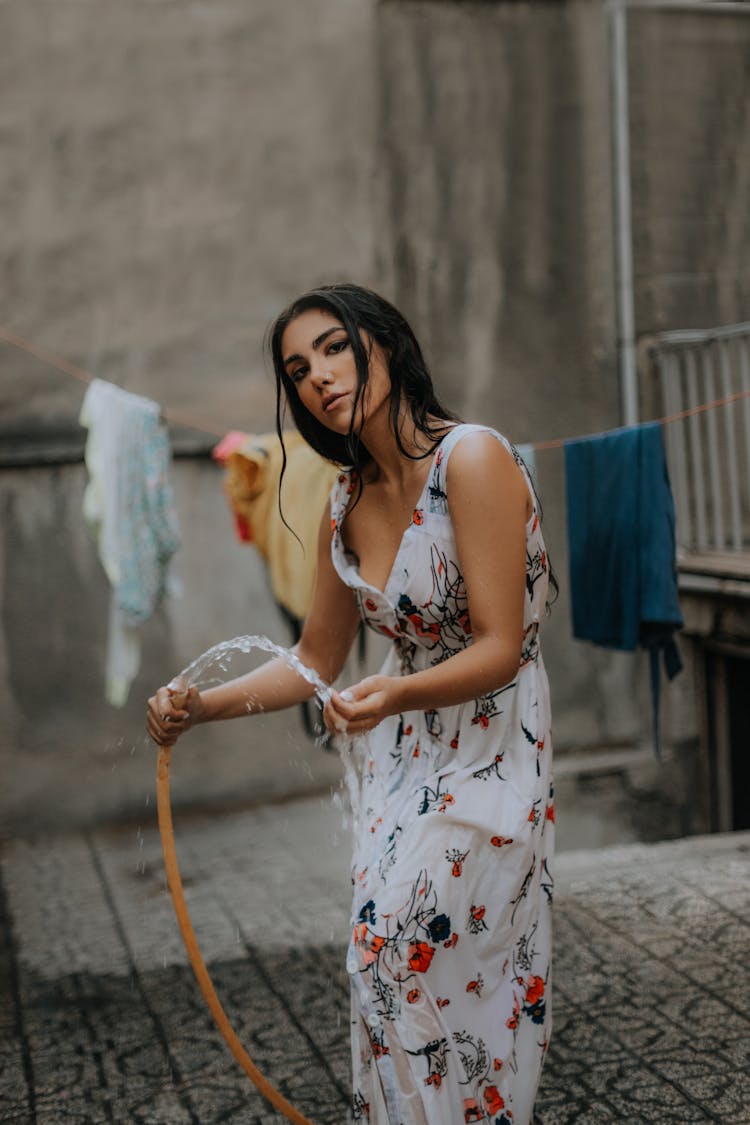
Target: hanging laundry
{"points": [[621, 541], [129, 505], [253, 464], [253, 470]]}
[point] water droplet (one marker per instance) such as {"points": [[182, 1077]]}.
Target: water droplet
{"points": [[219, 655], [351, 749]]}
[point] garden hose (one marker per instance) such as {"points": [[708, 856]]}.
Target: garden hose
{"points": [[277, 1100]]}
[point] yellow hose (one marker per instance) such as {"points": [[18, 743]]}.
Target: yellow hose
{"points": [[277, 1100]]}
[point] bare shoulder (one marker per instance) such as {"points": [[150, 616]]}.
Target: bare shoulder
{"points": [[482, 466]]}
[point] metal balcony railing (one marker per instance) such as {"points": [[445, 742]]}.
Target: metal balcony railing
{"points": [[709, 451]]}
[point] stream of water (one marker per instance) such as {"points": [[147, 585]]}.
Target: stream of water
{"points": [[351, 749], [219, 654]]}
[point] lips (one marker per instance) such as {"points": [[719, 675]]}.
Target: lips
{"points": [[331, 400]]}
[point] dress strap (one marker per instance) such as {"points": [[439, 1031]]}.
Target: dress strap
{"points": [[453, 437], [436, 491], [341, 490], [437, 486]]}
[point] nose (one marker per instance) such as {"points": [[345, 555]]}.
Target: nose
{"points": [[320, 375]]}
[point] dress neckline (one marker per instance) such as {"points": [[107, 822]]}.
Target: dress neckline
{"points": [[353, 559]]}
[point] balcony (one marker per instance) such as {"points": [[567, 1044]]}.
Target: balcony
{"points": [[708, 451]]}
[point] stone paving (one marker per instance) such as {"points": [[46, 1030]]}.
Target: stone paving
{"points": [[102, 1020]]}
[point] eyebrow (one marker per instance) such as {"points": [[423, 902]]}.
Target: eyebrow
{"points": [[316, 343]]}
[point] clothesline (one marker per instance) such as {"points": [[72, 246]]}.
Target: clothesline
{"points": [[725, 400], [83, 376], [123, 491], [14, 340]]}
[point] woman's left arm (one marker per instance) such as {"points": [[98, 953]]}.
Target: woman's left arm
{"points": [[489, 504]]}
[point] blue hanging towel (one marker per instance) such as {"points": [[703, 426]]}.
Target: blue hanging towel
{"points": [[621, 541]]}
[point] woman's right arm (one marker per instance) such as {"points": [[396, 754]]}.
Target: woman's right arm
{"points": [[327, 636]]}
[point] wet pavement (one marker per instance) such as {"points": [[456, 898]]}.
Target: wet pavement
{"points": [[102, 1020]]}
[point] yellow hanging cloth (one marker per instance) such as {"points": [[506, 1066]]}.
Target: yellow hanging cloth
{"points": [[253, 469]]}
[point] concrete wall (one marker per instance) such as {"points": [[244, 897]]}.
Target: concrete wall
{"points": [[171, 174], [495, 140], [66, 756], [689, 75]]}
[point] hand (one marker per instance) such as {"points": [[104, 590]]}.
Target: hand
{"points": [[172, 711], [363, 706]]}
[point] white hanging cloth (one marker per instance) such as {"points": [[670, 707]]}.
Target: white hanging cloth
{"points": [[129, 505]]}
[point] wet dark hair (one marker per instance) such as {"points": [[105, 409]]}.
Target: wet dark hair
{"points": [[359, 308]]}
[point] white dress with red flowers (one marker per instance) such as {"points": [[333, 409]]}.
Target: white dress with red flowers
{"points": [[454, 821]]}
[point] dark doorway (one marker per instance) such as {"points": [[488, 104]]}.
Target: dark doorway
{"points": [[728, 682]]}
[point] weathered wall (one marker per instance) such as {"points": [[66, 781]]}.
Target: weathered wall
{"points": [[66, 756], [689, 76], [171, 173], [494, 142]]}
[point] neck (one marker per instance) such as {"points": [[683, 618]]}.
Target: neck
{"points": [[391, 466]]}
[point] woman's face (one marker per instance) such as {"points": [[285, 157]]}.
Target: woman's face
{"points": [[318, 358]]}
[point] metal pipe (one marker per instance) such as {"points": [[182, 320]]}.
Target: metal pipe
{"points": [[729, 449], [622, 207]]}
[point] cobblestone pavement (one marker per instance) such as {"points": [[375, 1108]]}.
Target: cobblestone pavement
{"points": [[102, 1020]]}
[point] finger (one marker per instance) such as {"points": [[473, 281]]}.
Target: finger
{"points": [[363, 688], [179, 691], [167, 707], [337, 714], [158, 722], [337, 705], [331, 727], [176, 718], [165, 739], [365, 711], [168, 724], [162, 698], [337, 725], [335, 722], [160, 737], [164, 731], [152, 723], [174, 726], [344, 704]]}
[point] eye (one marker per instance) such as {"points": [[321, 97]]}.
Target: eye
{"points": [[337, 346], [297, 374]]}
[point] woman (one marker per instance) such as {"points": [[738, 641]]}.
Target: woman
{"points": [[433, 538]]}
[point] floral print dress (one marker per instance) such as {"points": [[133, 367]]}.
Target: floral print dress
{"points": [[454, 817]]}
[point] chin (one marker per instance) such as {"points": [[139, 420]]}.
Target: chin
{"points": [[338, 425]]}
